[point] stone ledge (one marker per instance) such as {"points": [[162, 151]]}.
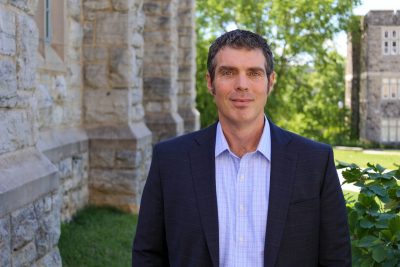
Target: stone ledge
{"points": [[25, 176], [58, 144], [134, 131]]}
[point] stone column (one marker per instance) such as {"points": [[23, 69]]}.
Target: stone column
{"points": [[120, 142], [161, 69], [187, 66]]}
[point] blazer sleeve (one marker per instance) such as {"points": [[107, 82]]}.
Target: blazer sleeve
{"points": [[334, 238], [149, 246]]}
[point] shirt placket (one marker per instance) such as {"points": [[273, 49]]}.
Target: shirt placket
{"points": [[241, 211]]}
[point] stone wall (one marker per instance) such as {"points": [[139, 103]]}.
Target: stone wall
{"points": [[79, 113]]}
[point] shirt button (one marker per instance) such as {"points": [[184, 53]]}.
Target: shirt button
{"points": [[242, 177], [241, 239]]}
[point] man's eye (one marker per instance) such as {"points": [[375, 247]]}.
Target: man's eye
{"points": [[226, 72], [254, 74]]}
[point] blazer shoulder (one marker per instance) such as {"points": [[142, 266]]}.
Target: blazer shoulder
{"points": [[185, 141], [303, 143]]}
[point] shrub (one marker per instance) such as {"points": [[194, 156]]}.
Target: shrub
{"points": [[374, 218]]}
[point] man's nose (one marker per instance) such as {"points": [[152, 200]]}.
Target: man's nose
{"points": [[242, 82]]}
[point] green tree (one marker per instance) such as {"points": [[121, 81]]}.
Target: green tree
{"points": [[310, 76]]}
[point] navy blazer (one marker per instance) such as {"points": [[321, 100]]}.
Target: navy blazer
{"points": [[178, 218]]}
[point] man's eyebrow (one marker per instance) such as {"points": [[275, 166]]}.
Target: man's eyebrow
{"points": [[257, 69], [226, 68]]}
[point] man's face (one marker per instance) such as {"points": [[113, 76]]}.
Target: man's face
{"points": [[240, 86]]}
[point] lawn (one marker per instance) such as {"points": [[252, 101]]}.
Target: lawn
{"points": [[98, 237], [386, 158]]}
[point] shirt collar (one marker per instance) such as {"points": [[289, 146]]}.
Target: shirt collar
{"points": [[264, 146]]}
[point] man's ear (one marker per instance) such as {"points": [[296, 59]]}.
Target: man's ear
{"points": [[210, 86], [271, 82]]}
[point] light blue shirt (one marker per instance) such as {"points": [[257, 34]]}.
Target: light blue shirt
{"points": [[242, 197]]}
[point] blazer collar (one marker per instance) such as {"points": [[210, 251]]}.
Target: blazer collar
{"points": [[202, 160], [283, 163], [283, 167]]}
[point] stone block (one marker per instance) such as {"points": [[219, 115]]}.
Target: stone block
{"points": [[88, 32], [27, 44], [93, 53], [102, 157], [74, 9], [137, 113], [96, 5], [157, 88], [122, 66], [75, 33], [125, 202], [107, 106], [137, 40], [111, 28], [128, 159], [8, 79], [23, 226], [7, 33], [65, 168], [122, 5], [25, 256], [52, 259], [59, 89], [5, 241], [96, 76], [157, 8], [137, 96], [16, 130], [75, 75], [28, 6], [113, 181]]}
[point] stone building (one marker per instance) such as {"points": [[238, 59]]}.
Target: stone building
{"points": [[86, 88], [373, 77]]}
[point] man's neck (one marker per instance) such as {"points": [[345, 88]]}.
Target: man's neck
{"points": [[243, 139]]}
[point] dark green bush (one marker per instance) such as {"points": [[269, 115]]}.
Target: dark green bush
{"points": [[374, 218]]}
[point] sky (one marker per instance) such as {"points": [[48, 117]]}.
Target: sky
{"points": [[366, 5]]}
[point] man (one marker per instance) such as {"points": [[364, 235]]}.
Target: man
{"points": [[242, 192]]}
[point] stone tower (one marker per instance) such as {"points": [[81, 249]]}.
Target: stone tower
{"points": [[373, 77]]}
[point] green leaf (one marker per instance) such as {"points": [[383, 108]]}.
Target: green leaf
{"points": [[378, 254], [366, 224], [367, 241], [342, 165], [378, 190], [394, 225]]}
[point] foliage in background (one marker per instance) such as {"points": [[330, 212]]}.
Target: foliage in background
{"points": [[98, 237], [374, 217], [309, 94]]}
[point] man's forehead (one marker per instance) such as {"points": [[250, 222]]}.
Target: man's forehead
{"points": [[245, 56]]}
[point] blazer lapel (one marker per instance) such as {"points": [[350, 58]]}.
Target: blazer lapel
{"points": [[283, 165], [202, 158]]}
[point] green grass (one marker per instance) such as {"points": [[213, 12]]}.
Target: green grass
{"points": [[361, 158], [98, 237]]}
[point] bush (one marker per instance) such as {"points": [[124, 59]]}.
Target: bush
{"points": [[374, 218]]}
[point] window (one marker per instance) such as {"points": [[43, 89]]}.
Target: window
{"points": [[390, 130], [393, 88], [390, 41], [398, 88], [390, 89], [385, 88], [49, 19]]}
